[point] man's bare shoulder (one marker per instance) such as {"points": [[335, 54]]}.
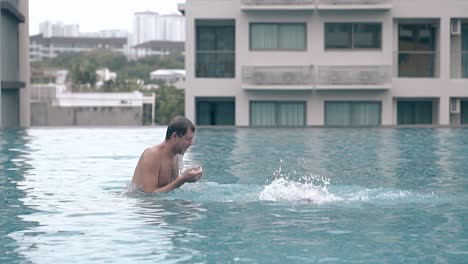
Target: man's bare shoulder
{"points": [[152, 153]]}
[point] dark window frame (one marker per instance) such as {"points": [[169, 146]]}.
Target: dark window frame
{"points": [[228, 24], [405, 53], [251, 24], [351, 102], [464, 112], [213, 101], [413, 104], [352, 43], [464, 50], [277, 103]]}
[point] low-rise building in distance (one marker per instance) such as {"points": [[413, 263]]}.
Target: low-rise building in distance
{"points": [[50, 106]]}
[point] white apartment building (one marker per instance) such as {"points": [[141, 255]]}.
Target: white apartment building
{"points": [[149, 26], [326, 62], [171, 28], [58, 29], [144, 27]]}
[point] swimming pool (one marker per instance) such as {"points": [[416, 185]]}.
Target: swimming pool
{"points": [[267, 196]]}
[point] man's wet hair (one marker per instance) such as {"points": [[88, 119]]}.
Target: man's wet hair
{"points": [[179, 124]]}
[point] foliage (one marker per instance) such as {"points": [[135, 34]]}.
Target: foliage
{"points": [[84, 74], [82, 67], [131, 74], [169, 103]]}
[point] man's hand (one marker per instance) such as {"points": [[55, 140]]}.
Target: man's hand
{"points": [[192, 174]]}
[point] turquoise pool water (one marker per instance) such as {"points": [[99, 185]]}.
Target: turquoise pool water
{"points": [[267, 196]]}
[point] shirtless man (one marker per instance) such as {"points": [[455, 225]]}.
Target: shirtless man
{"points": [[158, 167]]}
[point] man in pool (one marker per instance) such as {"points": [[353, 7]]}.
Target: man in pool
{"points": [[158, 167]]}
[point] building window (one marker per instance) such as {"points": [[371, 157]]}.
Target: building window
{"points": [[353, 35], [280, 114], [215, 111], [278, 36], [414, 113], [352, 113], [416, 50], [215, 49], [465, 50], [464, 112]]}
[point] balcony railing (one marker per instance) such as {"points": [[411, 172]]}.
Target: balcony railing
{"points": [[354, 4], [416, 64], [278, 76], [360, 76], [278, 4]]}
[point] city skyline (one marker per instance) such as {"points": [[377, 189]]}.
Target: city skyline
{"points": [[68, 12]]}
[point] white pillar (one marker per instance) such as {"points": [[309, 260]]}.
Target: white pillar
{"points": [[444, 57], [444, 111]]}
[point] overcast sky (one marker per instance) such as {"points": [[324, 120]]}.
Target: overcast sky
{"points": [[95, 15]]}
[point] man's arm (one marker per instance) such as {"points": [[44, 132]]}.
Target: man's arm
{"points": [[179, 181], [189, 175]]}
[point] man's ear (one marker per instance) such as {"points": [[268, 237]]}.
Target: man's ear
{"points": [[173, 135]]}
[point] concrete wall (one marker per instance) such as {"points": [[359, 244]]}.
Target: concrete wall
{"points": [[14, 68], [25, 111], [44, 114]]}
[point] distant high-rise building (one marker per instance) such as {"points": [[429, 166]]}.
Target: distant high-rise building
{"points": [[58, 29], [152, 26], [171, 27], [71, 30], [144, 27]]}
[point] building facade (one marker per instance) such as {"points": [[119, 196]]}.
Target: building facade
{"points": [[171, 28], [326, 62], [148, 26], [144, 27], [58, 29], [49, 47], [14, 69]]}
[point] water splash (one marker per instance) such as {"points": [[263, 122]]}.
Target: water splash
{"points": [[282, 189]]}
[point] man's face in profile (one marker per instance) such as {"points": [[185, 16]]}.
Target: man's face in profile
{"points": [[185, 141]]}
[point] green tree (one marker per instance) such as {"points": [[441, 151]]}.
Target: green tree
{"points": [[82, 69], [169, 103], [84, 74]]}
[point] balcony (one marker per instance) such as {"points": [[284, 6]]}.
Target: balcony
{"points": [[277, 5], [354, 5], [354, 77], [277, 77]]}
